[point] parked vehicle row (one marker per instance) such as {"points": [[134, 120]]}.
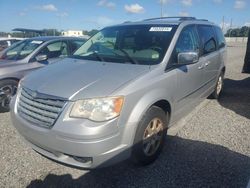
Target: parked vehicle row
{"points": [[28, 55], [117, 95]]}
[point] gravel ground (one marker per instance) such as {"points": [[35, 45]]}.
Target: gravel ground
{"points": [[211, 150]]}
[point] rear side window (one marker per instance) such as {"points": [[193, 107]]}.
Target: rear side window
{"points": [[208, 39], [220, 38]]}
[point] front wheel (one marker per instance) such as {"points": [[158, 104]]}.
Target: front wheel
{"points": [[8, 89], [150, 136]]}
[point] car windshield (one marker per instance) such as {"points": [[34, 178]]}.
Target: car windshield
{"points": [[137, 44], [21, 49]]}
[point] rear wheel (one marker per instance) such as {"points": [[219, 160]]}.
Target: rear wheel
{"points": [[8, 89], [150, 136], [218, 88]]}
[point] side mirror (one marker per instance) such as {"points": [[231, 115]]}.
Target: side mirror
{"points": [[41, 58], [185, 58]]}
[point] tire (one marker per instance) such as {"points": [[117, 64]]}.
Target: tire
{"points": [[8, 89], [140, 156], [218, 88]]}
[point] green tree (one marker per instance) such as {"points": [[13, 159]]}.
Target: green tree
{"points": [[238, 32]]}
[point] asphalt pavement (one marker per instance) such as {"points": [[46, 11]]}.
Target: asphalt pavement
{"points": [[211, 149]]}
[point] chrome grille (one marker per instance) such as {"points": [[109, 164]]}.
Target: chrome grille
{"points": [[41, 109]]}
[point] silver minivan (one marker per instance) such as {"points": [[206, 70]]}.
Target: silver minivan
{"points": [[116, 97]]}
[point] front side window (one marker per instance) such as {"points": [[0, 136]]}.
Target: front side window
{"points": [[208, 39], [140, 44], [187, 42], [55, 49], [21, 50]]}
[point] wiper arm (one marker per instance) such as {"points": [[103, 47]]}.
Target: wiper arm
{"points": [[98, 56], [132, 60]]}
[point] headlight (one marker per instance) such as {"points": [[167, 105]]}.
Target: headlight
{"points": [[99, 109]]}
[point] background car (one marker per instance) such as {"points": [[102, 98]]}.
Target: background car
{"points": [[28, 55], [7, 42]]}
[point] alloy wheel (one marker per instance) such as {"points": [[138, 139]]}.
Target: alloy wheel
{"points": [[219, 85], [6, 92], [152, 136]]}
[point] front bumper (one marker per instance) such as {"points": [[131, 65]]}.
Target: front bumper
{"points": [[75, 142]]}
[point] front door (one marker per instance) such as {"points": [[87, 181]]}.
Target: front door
{"points": [[189, 77]]}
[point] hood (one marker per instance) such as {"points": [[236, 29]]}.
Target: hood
{"points": [[77, 79]]}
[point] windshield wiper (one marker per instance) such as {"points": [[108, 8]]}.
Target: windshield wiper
{"points": [[132, 60], [98, 56]]}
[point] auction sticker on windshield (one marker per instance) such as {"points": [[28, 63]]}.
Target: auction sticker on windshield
{"points": [[161, 29], [37, 42]]}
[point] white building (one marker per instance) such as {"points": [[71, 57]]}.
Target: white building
{"points": [[74, 33]]}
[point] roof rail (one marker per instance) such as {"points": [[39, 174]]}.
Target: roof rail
{"points": [[202, 20], [180, 18]]}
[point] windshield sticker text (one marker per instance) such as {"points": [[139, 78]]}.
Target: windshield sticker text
{"points": [[161, 29]]}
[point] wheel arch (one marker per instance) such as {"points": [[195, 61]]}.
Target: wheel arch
{"points": [[150, 99], [10, 78], [164, 105], [223, 70]]}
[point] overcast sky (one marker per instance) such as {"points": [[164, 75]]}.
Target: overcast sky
{"points": [[96, 14]]}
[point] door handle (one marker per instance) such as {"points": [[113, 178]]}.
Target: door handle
{"points": [[207, 63], [200, 67]]}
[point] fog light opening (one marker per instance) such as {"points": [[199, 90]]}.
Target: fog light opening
{"points": [[83, 159]]}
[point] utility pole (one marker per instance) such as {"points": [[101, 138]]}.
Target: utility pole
{"points": [[161, 1], [223, 22], [230, 29]]}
